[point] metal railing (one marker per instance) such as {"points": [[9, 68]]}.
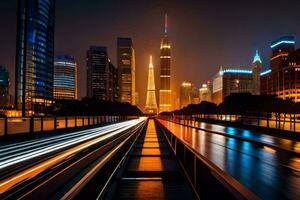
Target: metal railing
{"points": [[285, 122], [11, 126], [208, 180]]}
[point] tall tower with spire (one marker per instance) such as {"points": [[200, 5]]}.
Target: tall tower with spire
{"points": [[151, 105], [256, 69], [165, 104]]}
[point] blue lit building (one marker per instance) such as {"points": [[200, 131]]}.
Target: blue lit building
{"points": [[4, 87], [35, 56], [231, 80], [283, 77], [281, 48], [256, 72], [65, 77]]}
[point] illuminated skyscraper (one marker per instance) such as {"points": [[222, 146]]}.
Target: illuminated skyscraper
{"points": [[165, 72], [281, 48], [65, 77], [205, 93], [283, 79], [256, 70], [185, 94], [98, 73], [151, 105], [35, 55], [126, 70]]}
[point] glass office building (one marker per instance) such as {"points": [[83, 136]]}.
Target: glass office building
{"points": [[65, 77], [126, 68], [283, 77], [97, 73], [35, 56]]}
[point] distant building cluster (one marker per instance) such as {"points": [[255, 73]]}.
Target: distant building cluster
{"points": [[190, 94], [282, 78], [43, 78]]}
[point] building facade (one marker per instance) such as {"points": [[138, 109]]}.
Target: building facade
{"points": [[185, 94], [256, 71], [65, 77], [126, 70], [4, 87], [205, 93], [34, 56], [231, 80], [100, 74], [165, 92], [195, 98], [283, 77], [113, 82]]}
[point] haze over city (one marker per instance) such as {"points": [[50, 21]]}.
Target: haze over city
{"points": [[204, 34]]}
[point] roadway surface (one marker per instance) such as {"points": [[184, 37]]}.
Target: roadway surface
{"points": [[266, 165], [26, 166]]}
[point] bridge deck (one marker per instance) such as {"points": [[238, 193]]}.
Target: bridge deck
{"points": [[152, 171]]}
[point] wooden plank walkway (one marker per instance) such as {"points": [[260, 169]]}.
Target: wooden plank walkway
{"points": [[152, 171]]}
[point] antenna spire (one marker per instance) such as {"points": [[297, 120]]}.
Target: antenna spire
{"points": [[166, 23], [150, 64]]}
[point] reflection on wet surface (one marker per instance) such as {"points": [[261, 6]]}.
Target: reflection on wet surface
{"points": [[248, 135], [270, 173], [152, 171]]}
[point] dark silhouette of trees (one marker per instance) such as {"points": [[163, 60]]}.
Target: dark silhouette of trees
{"points": [[242, 104], [203, 108], [93, 107]]}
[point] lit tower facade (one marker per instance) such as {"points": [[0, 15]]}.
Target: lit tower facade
{"points": [[256, 70], [185, 94], [65, 77], [151, 105], [126, 70], [97, 73], [35, 56], [165, 104]]}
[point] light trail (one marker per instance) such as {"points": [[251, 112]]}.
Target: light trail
{"points": [[27, 147], [51, 148], [38, 141], [37, 169]]}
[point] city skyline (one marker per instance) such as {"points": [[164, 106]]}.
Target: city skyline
{"points": [[234, 50], [138, 99]]}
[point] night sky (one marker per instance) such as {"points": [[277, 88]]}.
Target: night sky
{"points": [[204, 34]]}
